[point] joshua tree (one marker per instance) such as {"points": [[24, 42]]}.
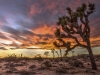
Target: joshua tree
{"points": [[21, 55], [61, 54], [52, 51], [56, 45], [72, 53], [46, 54], [57, 53], [77, 23]]}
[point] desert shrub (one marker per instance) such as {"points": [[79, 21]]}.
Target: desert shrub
{"points": [[23, 62], [13, 57], [76, 63], [56, 60], [61, 70], [47, 63], [32, 66], [19, 64], [73, 58], [12, 65], [38, 58], [12, 69], [9, 71], [42, 68], [0, 66], [66, 60], [88, 71], [10, 59], [24, 58], [88, 63], [9, 65], [23, 72]]}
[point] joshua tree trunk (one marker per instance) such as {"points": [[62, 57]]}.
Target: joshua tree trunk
{"points": [[94, 67]]}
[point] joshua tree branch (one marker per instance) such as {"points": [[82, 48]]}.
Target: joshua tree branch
{"points": [[73, 37], [89, 12], [70, 49], [81, 19]]}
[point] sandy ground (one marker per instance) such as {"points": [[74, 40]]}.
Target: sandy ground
{"points": [[48, 67]]}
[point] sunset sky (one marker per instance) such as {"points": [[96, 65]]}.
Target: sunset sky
{"points": [[32, 23]]}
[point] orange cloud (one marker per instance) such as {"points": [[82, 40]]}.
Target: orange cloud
{"points": [[34, 9], [44, 29], [41, 36]]}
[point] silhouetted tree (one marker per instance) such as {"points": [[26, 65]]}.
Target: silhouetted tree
{"points": [[46, 54], [77, 23], [72, 53], [52, 51], [57, 53], [61, 54], [56, 45], [21, 55]]}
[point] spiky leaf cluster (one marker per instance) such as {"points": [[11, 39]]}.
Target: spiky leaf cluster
{"points": [[91, 6], [69, 10], [57, 32]]}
